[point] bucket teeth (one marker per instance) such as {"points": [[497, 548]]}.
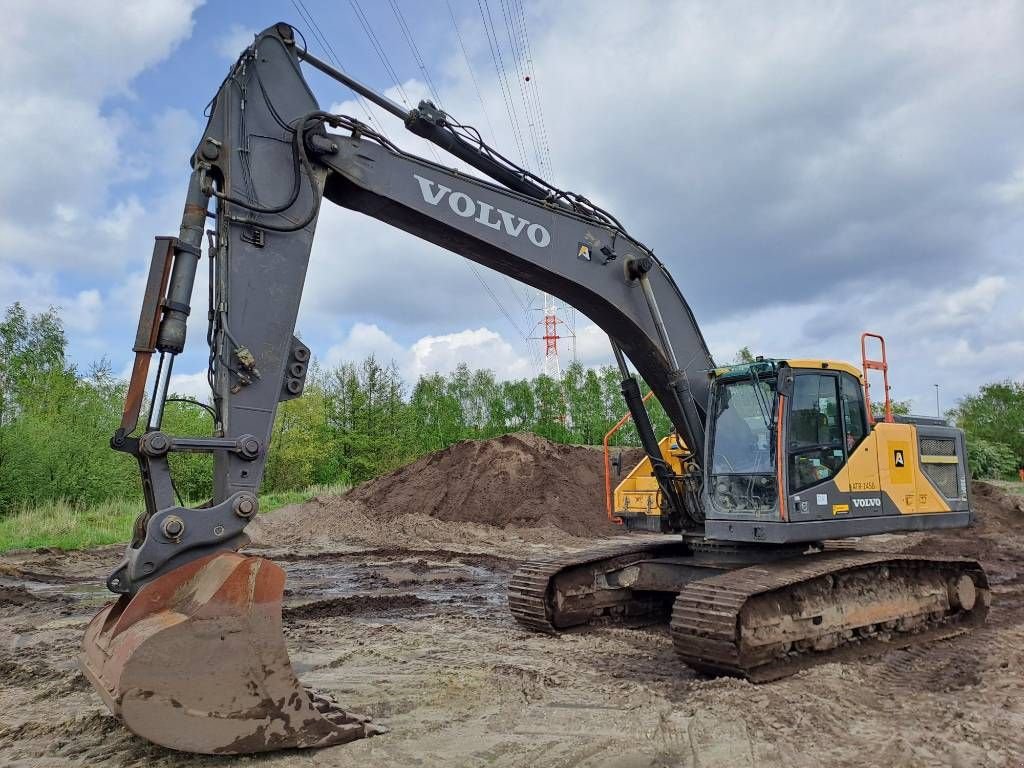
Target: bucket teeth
{"points": [[196, 661]]}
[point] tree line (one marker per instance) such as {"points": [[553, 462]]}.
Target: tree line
{"points": [[353, 422]]}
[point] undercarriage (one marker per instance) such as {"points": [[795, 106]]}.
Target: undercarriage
{"points": [[758, 612]]}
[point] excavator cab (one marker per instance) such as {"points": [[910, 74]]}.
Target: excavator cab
{"points": [[794, 455]]}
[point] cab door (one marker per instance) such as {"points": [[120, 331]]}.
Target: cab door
{"points": [[816, 447]]}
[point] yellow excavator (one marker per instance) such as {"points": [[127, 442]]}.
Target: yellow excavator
{"points": [[768, 461]]}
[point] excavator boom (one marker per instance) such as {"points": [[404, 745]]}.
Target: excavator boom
{"points": [[267, 158]]}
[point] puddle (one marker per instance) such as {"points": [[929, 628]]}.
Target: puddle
{"points": [[472, 586], [85, 593]]}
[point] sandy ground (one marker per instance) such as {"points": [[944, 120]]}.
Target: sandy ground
{"points": [[410, 625]]}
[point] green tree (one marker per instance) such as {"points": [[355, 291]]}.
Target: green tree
{"points": [[995, 414], [743, 355], [899, 408], [991, 460], [551, 409], [55, 425], [436, 418]]}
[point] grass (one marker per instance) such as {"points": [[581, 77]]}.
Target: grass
{"points": [[63, 525]]}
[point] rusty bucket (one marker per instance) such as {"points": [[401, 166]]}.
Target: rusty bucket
{"points": [[196, 661]]}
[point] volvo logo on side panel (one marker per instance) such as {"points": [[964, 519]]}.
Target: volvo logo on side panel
{"points": [[483, 213], [876, 502]]}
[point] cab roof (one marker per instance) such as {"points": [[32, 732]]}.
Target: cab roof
{"points": [[770, 365]]}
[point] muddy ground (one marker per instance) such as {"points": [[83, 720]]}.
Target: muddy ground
{"points": [[404, 617]]}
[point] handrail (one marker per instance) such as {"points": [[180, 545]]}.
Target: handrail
{"points": [[608, 466], [879, 365]]}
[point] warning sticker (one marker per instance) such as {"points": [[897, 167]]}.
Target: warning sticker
{"points": [[583, 252], [822, 499], [897, 458], [840, 509]]}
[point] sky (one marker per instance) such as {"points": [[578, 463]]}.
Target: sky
{"points": [[807, 171]]}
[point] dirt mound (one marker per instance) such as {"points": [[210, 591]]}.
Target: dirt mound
{"points": [[996, 537], [533, 490], [521, 480], [997, 510]]}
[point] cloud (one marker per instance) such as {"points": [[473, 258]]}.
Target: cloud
{"points": [[88, 51], [964, 305], [805, 177], [234, 41], [72, 223], [190, 385], [363, 340], [478, 348]]}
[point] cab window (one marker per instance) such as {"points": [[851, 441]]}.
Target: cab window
{"points": [[816, 438], [854, 417]]}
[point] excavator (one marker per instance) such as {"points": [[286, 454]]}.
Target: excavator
{"points": [[771, 464]]}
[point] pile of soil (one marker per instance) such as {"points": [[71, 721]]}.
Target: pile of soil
{"points": [[996, 537], [536, 490], [514, 480]]}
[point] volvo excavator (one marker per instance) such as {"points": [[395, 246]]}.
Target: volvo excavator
{"points": [[769, 461]]}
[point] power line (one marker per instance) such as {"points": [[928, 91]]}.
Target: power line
{"points": [[472, 74], [479, 95], [406, 31], [317, 34], [532, 85], [518, 40], [364, 22], [378, 48], [497, 301], [530, 120], [421, 63], [506, 91]]}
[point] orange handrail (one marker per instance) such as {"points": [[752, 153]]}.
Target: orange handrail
{"points": [[879, 365], [608, 464]]}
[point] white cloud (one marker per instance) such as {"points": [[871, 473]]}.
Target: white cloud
{"points": [[363, 340], [190, 385], [123, 220], [84, 314], [234, 41], [87, 51], [592, 345], [69, 234], [478, 348], [965, 304]]}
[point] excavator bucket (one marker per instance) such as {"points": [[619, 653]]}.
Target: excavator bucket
{"points": [[196, 661]]}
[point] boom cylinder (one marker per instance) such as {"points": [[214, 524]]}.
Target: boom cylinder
{"points": [[630, 389], [187, 250]]}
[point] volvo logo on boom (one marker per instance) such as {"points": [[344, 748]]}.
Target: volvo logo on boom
{"points": [[483, 213]]}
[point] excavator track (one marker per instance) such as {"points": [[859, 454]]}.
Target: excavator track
{"points": [[767, 621], [557, 592]]}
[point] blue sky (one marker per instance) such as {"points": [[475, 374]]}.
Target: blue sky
{"points": [[807, 171]]}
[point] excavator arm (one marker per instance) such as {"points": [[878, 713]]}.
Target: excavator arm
{"points": [[267, 157]]}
